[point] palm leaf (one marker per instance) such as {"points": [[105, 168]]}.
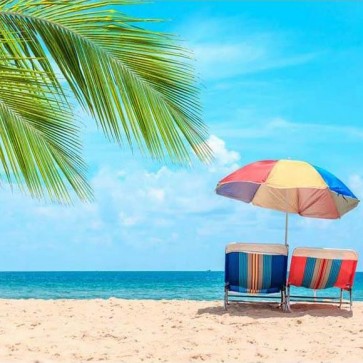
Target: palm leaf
{"points": [[137, 84], [39, 145]]}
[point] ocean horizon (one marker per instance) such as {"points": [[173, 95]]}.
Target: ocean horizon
{"points": [[155, 285]]}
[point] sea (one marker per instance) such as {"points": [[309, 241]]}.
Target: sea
{"points": [[180, 285]]}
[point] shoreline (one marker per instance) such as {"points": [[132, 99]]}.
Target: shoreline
{"points": [[121, 330], [216, 301]]}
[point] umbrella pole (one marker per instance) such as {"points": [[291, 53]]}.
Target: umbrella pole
{"points": [[286, 227]]}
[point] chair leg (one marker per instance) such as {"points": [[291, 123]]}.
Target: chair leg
{"points": [[225, 299], [341, 298], [287, 300], [350, 299], [283, 300]]}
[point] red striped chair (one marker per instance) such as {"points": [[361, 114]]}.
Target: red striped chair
{"points": [[321, 268]]}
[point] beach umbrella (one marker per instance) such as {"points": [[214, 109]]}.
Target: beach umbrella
{"points": [[290, 186]]}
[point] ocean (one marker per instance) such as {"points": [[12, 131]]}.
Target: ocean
{"points": [[200, 285]]}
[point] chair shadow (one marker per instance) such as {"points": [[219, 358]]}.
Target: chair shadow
{"points": [[268, 310]]}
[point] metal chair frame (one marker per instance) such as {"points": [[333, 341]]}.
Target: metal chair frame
{"points": [[235, 297], [319, 299]]}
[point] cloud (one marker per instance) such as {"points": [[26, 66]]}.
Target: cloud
{"points": [[219, 60], [356, 184], [128, 220], [156, 194], [166, 191], [279, 127], [144, 219], [167, 211], [278, 138], [234, 52], [222, 156]]}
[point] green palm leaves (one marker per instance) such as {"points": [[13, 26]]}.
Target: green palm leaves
{"points": [[38, 140], [138, 85]]}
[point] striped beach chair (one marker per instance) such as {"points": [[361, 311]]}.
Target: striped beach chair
{"points": [[255, 270], [321, 268]]}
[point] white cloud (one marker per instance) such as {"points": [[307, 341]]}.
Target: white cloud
{"points": [[286, 135], [356, 184], [218, 61], [222, 155], [128, 221], [313, 223], [145, 194], [233, 51], [156, 194], [153, 219]]}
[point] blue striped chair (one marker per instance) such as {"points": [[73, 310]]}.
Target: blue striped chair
{"points": [[255, 270]]}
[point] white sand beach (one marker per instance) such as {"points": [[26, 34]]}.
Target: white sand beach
{"points": [[117, 330]]}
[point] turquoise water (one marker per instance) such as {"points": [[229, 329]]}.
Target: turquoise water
{"points": [[203, 285]]}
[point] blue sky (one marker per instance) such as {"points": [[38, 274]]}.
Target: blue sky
{"points": [[278, 80]]}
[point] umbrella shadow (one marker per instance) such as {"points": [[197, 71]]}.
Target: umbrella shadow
{"points": [[263, 311]]}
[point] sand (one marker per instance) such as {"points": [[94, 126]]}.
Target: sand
{"points": [[116, 330]]}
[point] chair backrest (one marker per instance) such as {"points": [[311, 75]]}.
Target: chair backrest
{"points": [[255, 267], [320, 268]]}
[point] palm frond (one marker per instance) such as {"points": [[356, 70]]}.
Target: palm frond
{"points": [[138, 84], [39, 143]]}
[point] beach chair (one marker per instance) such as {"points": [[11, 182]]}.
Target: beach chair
{"points": [[255, 270], [321, 268]]}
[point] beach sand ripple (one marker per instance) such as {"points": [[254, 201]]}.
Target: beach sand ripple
{"points": [[116, 330]]}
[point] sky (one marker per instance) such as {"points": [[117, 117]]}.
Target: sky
{"points": [[279, 80]]}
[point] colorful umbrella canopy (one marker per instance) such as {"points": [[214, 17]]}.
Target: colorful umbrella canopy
{"points": [[290, 186]]}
